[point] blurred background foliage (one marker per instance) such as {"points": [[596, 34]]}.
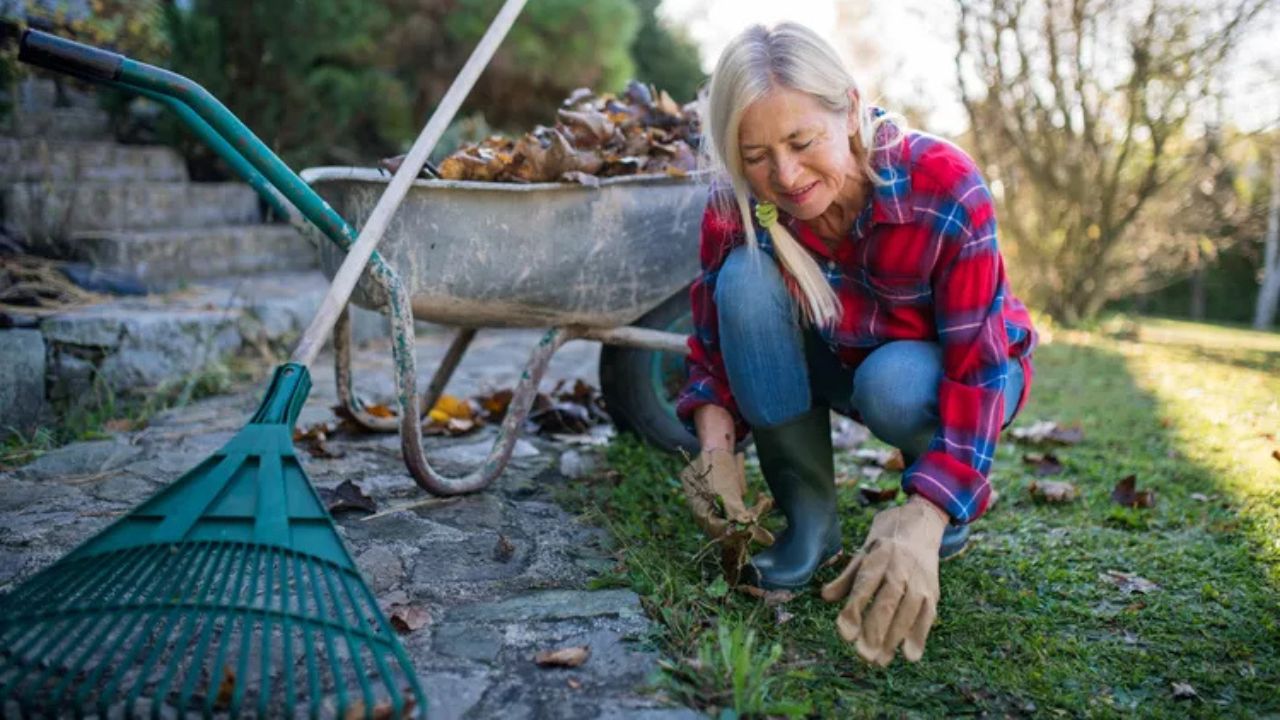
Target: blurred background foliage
{"points": [[1118, 184]]}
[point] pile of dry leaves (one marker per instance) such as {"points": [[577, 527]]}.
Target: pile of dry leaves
{"points": [[643, 131]]}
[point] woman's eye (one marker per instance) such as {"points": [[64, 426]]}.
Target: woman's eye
{"points": [[803, 145], [753, 160]]}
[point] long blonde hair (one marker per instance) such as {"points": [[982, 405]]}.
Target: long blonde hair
{"points": [[791, 56]]}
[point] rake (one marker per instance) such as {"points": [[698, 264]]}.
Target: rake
{"points": [[229, 592]]}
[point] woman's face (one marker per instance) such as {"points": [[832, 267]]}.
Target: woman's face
{"points": [[795, 152]]}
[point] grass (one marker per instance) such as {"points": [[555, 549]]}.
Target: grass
{"points": [[103, 412], [1026, 625]]}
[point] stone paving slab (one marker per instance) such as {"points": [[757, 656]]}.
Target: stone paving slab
{"points": [[491, 610]]}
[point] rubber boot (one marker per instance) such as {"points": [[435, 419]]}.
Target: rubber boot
{"points": [[795, 458]]}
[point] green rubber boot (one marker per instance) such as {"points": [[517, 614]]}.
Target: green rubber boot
{"points": [[796, 460]]}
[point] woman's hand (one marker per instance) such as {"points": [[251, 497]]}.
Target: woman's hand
{"points": [[898, 565], [714, 485]]}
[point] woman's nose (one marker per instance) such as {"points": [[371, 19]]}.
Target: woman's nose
{"points": [[785, 172]]}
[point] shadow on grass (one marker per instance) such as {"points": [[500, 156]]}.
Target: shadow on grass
{"points": [[1031, 620]]}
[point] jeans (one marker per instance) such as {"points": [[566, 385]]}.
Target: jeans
{"points": [[777, 371]]}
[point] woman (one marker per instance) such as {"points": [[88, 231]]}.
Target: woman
{"points": [[869, 283]]}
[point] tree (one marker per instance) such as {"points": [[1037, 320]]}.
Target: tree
{"points": [[304, 80], [1081, 111], [664, 56], [1264, 314]]}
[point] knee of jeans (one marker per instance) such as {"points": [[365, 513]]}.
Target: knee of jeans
{"points": [[749, 285], [895, 390]]}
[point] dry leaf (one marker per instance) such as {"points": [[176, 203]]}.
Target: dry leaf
{"points": [[1053, 491], [226, 688], [348, 496], [1275, 454], [895, 462], [504, 550], [380, 410], [1048, 432], [120, 425], [1200, 497], [407, 618], [1043, 463], [315, 439], [564, 657], [873, 495], [381, 711], [1184, 691], [453, 407], [1129, 583], [1126, 494], [771, 597], [495, 404], [574, 684], [782, 616]]}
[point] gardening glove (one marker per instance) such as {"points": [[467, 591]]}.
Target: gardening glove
{"points": [[714, 485], [898, 564]]}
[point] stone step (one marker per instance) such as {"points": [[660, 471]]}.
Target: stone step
{"points": [[32, 159], [53, 211], [131, 345], [165, 259], [61, 123]]}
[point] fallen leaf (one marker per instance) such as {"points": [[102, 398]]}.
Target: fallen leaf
{"points": [[450, 406], [895, 462], [771, 597], [495, 404], [562, 417], [782, 616], [504, 550], [1184, 691], [119, 425], [1053, 491], [226, 688], [848, 434], [380, 410], [1276, 454], [1126, 494], [1129, 583], [348, 496], [1043, 463], [564, 657], [381, 711], [407, 618], [1048, 432], [315, 439], [873, 495], [1199, 497], [574, 683]]}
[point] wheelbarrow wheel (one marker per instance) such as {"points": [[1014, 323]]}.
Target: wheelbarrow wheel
{"points": [[640, 386]]}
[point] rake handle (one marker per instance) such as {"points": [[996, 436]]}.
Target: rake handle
{"points": [[344, 281]]}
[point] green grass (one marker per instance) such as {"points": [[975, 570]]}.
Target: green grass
{"points": [[94, 417], [1026, 625]]}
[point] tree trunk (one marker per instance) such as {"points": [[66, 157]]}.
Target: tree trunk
{"points": [[1196, 310], [1264, 313]]}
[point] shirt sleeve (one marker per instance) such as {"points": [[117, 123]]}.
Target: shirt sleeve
{"points": [[969, 289], [707, 382]]}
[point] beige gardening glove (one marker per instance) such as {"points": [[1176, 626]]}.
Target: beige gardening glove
{"points": [[898, 565], [714, 485]]}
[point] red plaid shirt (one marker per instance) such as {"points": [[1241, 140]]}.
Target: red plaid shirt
{"points": [[920, 263]]}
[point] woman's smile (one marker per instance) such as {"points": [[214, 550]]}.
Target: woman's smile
{"points": [[799, 196]]}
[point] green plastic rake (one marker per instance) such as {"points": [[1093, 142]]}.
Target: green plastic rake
{"points": [[229, 592]]}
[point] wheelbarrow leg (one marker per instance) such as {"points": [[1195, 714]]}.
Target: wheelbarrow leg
{"points": [[342, 377], [447, 365], [415, 456]]}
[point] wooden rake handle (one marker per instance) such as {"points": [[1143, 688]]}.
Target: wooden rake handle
{"points": [[344, 281]]}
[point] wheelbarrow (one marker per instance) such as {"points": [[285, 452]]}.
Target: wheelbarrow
{"points": [[607, 263]]}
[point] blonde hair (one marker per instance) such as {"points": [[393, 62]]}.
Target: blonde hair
{"points": [[791, 56]]}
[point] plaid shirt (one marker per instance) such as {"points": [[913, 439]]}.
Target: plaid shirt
{"points": [[920, 263]]}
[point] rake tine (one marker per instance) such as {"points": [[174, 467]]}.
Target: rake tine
{"points": [[218, 553]]}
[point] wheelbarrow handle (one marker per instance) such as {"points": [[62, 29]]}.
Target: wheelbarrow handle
{"points": [[68, 56]]}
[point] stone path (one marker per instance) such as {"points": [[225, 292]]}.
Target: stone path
{"points": [[492, 607]]}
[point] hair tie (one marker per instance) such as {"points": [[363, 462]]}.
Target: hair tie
{"points": [[766, 214]]}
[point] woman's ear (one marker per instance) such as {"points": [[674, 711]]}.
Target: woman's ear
{"points": [[854, 121]]}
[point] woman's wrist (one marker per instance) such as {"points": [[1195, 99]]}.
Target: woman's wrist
{"points": [[918, 499]]}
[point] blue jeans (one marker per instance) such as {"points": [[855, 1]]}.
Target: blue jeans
{"points": [[777, 371]]}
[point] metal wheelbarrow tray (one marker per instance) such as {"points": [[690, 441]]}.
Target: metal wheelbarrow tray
{"points": [[586, 261]]}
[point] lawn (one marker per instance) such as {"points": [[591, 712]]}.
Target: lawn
{"points": [[1031, 621]]}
